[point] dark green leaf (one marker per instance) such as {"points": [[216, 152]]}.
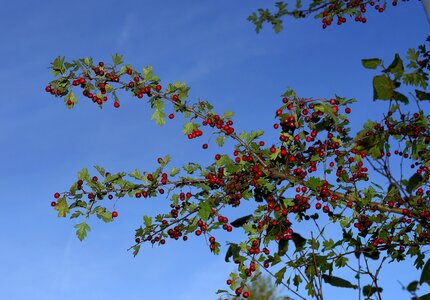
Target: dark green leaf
{"points": [[136, 250], [382, 88], [280, 275], [337, 281], [421, 95], [371, 63], [299, 241], [282, 247], [413, 182], [82, 229], [371, 253], [412, 287], [396, 67], [424, 297], [232, 251], [240, 221], [425, 274], [369, 290], [400, 97]]}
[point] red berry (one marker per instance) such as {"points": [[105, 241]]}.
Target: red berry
{"points": [[158, 88], [347, 110], [95, 179], [171, 116], [110, 197], [53, 203], [57, 195], [114, 214], [116, 104], [245, 295]]}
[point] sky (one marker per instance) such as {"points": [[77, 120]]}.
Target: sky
{"points": [[210, 46]]}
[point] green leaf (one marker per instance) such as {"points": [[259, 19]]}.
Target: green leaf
{"points": [[412, 54], [204, 211], [414, 182], [147, 221], [174, 171], [76, 214], [220, 140], [280, 275], [57, 65], [299, 241], [189, 127], [369, 290], [136, 174], [117, 59], [158, 114], [400, 97], [412, 287], [282, 247], [100, 170], [104, 215], [83, 174], [396, 67], [425, 274], [71, 96], [240, 221], [371, 63], [382, 88], [372, 254], [339, 282], [328, 244], [233, 250], [136, 250], [313, 182], [62, 207], [421, 95], [424, 297], [228, 115], [82, 229]]}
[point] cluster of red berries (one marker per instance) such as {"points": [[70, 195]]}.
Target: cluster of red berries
{"points": [[194, 134], [218, 122], [225, 225], [339, 10]]}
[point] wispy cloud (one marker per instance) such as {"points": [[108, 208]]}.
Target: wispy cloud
{"points": [[126, 30]]}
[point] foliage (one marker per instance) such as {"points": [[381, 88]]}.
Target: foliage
{"points": [[279, 179], [262, 288], [326, 10]]}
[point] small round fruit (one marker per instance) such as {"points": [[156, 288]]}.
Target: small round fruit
{"points": [[114, 214], [53, 203], [116, 104], [158, 88], [57, 195]]}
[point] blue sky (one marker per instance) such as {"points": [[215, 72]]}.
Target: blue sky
{"points": [[210, 46]]}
